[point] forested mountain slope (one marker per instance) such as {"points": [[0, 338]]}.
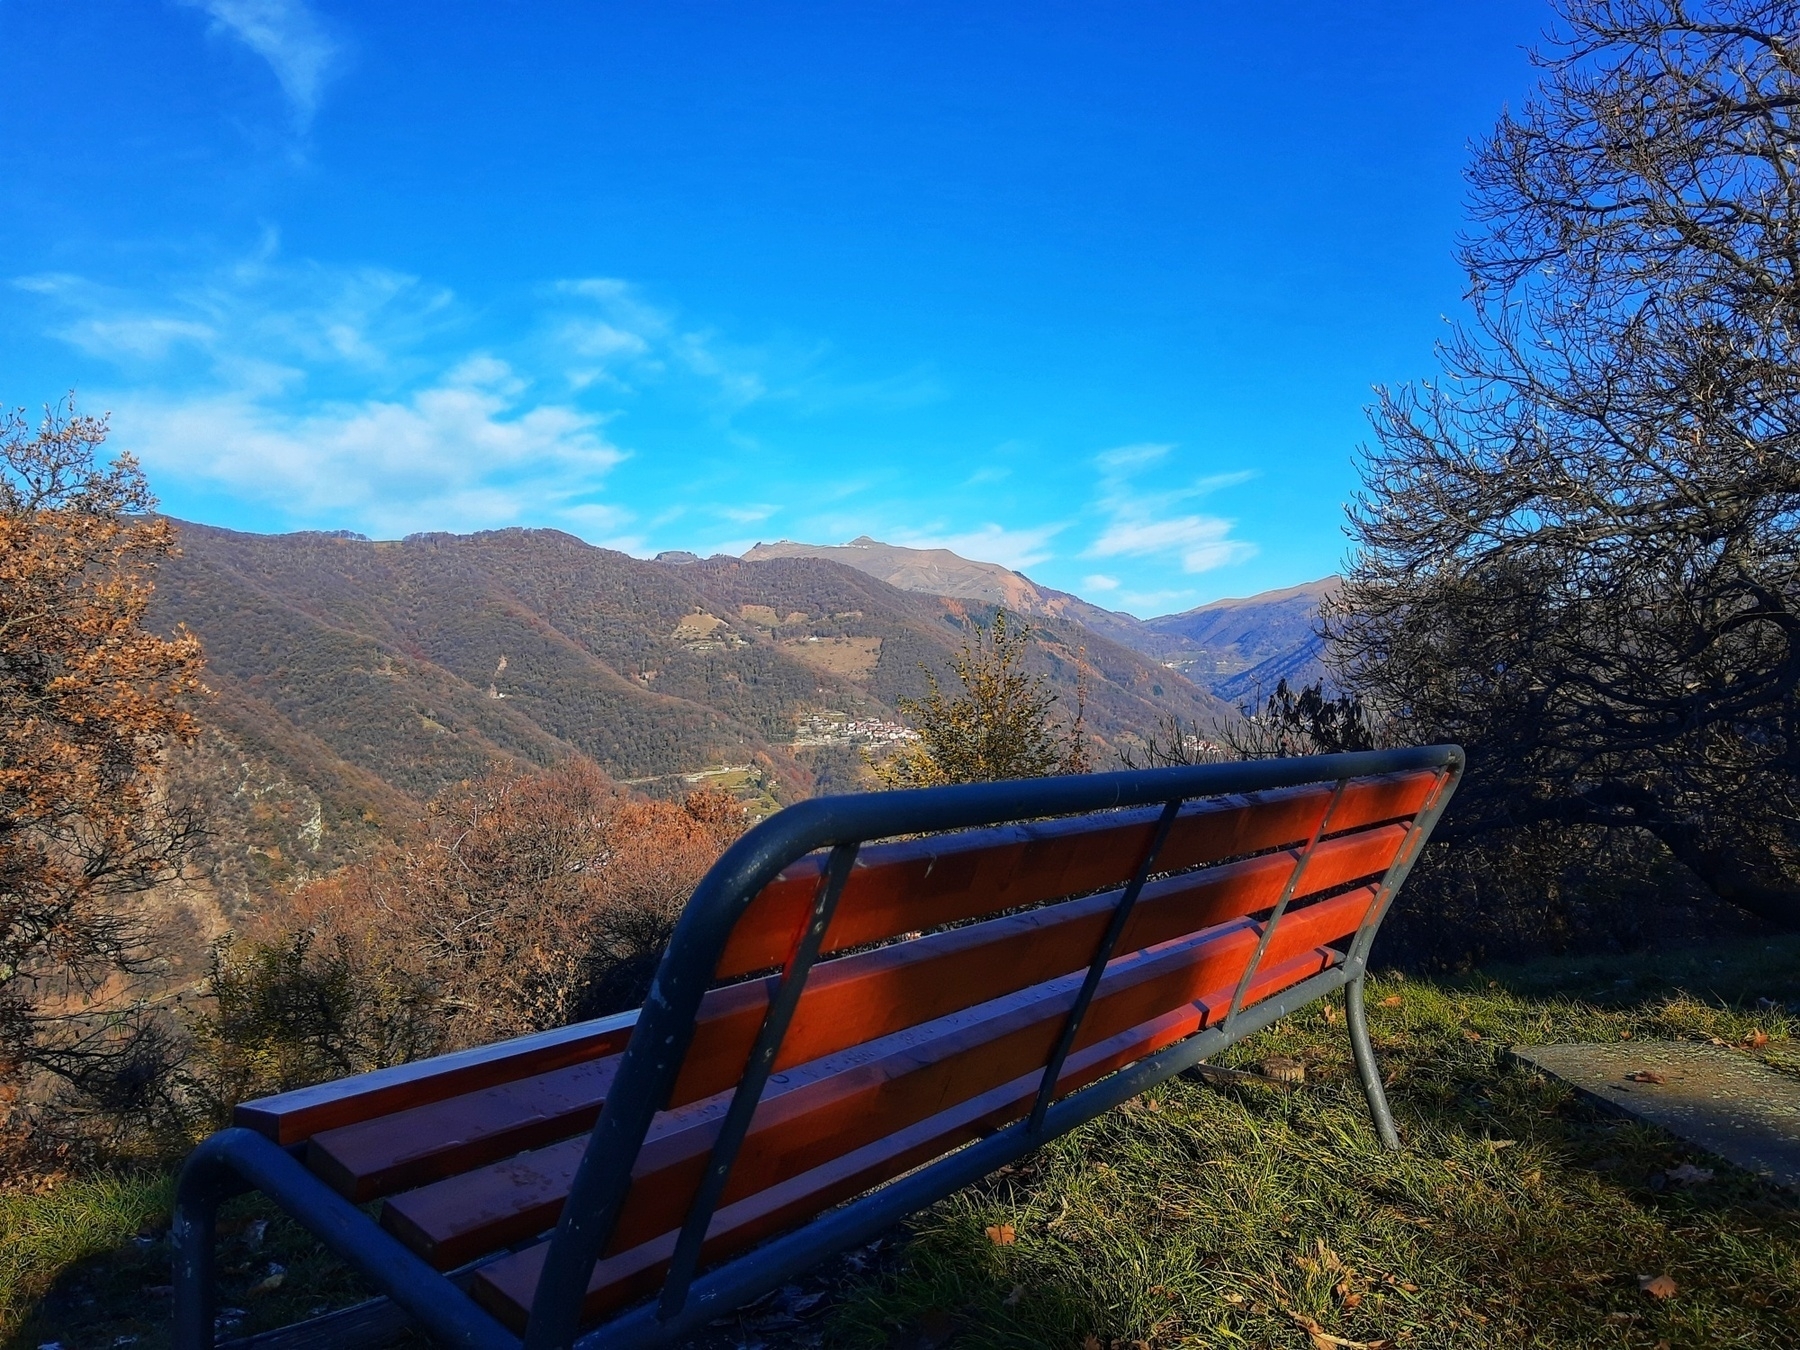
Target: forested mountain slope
{"points": [[379, 672], [1230, 647]]}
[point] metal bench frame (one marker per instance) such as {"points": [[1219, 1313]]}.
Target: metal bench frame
{"points": [[236, 1160]]}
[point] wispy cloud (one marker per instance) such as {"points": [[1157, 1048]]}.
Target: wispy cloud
{"points": [[290, 37], [465, 452], [1139, 523], [329, 395], [611, 335]]}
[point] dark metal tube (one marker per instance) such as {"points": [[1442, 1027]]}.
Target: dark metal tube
{"points": [[757, 1068], [1097, 967], [1366, 1067], [445, 1312], [1281, 904], [775, 1262]]}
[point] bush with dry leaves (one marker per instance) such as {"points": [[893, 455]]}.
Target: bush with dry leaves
{"points": [[528, 900]]}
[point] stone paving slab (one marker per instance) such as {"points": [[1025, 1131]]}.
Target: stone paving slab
{"points": [[1710, 1095]]}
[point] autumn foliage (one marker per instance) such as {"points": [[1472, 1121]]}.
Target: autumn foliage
{"points": [[529, 900], [89, 700]]}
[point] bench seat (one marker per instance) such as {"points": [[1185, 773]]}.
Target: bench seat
{"points": [[887, 1004]]}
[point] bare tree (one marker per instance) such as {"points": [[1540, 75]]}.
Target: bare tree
{"points": [[1578, 552]]}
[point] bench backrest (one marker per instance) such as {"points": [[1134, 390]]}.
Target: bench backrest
{"points": [[832, 1013]]}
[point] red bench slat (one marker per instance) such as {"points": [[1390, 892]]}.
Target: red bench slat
{"points": [[900, 888], [409, 1148], [506, 1286], [835, 1105], [858, 998], [960, 877], [293, 1117], [847, 1001]]}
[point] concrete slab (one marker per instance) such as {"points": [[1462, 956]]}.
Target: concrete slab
{"points": [[1710, 1095]]}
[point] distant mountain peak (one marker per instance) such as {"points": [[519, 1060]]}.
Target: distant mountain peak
{"points": [[938, 571], [1234, 646]]}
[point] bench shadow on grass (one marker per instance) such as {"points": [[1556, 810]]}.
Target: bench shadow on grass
{"points": [[1518, 1213]]}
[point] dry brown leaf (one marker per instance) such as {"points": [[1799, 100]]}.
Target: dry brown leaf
{"points": [[1757, 1039], [1657, 1286], [1352, 1300], [1002, 1234], [1391, 1001], [1471, 1035], [1092, 1343], [1323, 1339], [1495, 1145], [1645, 1076]]}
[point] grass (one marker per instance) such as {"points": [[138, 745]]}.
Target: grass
{"points": [[1517, 1215], [48, 1232]]}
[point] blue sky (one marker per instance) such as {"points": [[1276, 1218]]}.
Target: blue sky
{"points": [[1096, 291]]}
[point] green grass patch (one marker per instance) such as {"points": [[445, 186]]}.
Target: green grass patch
{"points": [[46, 1232], [1201, 1215], [1517, 1214]]}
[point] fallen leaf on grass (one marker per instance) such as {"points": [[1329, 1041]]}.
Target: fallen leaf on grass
{"points": [[1645, 1076], [1323, 1339], [1757, 1039], [1495, 1145], [1002, 1235], [1657, 1286], [1689, 1175], [1471, 1035], [1391, 1001], [268, 1283]]}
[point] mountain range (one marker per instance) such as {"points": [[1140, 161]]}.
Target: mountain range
{"points": [[1234, 648], [353, 679]]}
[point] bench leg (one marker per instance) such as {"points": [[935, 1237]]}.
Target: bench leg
{"points": [[205, 1183], [1366, 1067], [236, 1160]]}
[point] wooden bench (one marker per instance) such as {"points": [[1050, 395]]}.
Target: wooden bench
{"points": [[840, 1033]]}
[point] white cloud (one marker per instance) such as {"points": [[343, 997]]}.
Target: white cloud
{"points": [[617, 337], [1126, 459], [327, 395], [993, 473], [1139, 524], [462, 453], [1100, 582], [1202, 542], [289, 36]]}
